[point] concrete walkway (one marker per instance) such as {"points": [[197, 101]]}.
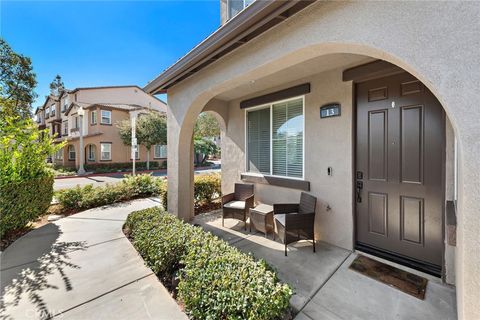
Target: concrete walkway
{"points": [[82, 267], [324, 286]]}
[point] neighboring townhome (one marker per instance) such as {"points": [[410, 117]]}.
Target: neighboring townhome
{"points": [[103, 108], [372, 107]]}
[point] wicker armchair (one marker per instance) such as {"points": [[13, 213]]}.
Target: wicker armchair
{"points": [[236, 205], [295, 221]]}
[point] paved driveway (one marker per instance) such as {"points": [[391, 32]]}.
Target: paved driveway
{"points": [[82, 267], [67, 183]]}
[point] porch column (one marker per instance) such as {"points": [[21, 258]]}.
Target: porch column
{"points": [[468, 224], [180, 161]]}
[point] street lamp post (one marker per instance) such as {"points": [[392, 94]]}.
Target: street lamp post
{"points": [[81, 113], [134, 141]]}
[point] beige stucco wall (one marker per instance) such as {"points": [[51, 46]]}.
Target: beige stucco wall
{"points": [[328, 143], [411, 35]]}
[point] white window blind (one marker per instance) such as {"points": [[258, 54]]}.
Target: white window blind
{"points": [[105, 151], [275, 139], [258, 141], [287, 139], [106, 117], [160, 151], [71, 152]]}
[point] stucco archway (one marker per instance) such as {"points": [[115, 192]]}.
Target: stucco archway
{"points": [[421, 46]]}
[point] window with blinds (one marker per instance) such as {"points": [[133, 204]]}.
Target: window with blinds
{"points": [[287, 139], [275, 139], [258, 144]]}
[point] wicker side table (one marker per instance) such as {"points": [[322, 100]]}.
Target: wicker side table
{"points": [[262, 218]]}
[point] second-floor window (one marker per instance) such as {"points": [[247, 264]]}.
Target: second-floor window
{"points": [[76, 122], [47, 112], [52, 111], [65, 127], [106, 117], [93, 117], [235, 6], [65, 104]]}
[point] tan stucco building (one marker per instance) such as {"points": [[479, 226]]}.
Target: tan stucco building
{"points": [[369, 106], [104, 108]]}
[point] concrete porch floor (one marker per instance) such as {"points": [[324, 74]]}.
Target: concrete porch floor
{"points": [[324, 287]]}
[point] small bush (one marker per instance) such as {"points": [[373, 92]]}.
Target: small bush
{"points": [[131, 187], [216, 281], [207, 187]]}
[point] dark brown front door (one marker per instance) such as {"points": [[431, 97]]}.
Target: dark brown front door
{"points": [[399, 163]]}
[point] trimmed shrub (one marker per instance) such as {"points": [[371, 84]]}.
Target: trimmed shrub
{"points": [[26, 182], [120, 166], [131, 187], [216, 280], [24, 201], [207, 187]]}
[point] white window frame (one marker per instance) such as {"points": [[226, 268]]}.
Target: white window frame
{"points": [[160, 146], [59, 154], [109, 151], [244, 6], [65, 127], [109, 117], [65, 103], [89, 153], [70, 152], [93, 116], [270, 106], [52, 109]]}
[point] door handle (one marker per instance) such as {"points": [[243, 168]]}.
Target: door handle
{"points": [[358, 191]]}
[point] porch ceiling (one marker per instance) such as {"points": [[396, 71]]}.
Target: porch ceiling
{"points": [[305, 69]]}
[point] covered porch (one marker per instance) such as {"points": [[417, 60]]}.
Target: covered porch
{"points": [[324, 286], [314, 49]]}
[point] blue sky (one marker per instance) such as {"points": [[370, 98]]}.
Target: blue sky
{"points": [[93, 43]]}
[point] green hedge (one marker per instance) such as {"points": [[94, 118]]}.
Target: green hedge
{"points": [[123, 166], [130, 187], [216, 280], [207, 187], [24, 201]]}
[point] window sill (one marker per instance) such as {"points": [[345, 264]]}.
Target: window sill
{"points": [[276, 181]]}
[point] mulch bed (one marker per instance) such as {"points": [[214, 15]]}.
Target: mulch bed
{"points": [[13, 235], [207, 207]]}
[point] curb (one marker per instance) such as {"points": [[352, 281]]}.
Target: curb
{"points": [[124, 173]]}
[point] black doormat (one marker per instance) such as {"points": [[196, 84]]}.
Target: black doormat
{"points": [[402, 280]]}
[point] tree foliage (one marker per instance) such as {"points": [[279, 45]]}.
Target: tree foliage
{"points": [[17, 81], [206, 126], [203, 147], [151, 130], [57, 86]]}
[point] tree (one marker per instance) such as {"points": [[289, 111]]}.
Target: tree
{"points": [[203, 147], [17, 81], [151, 130], [57, 86], [206, 126]]}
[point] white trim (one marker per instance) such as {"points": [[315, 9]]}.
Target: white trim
{"points": [[101, 116], [270, 105]]}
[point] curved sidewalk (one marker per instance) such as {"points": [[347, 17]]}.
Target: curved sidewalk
{"points": [[82, 267]]}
